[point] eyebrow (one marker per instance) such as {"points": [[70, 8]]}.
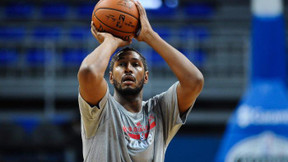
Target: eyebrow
{"points": [[122, 58]]}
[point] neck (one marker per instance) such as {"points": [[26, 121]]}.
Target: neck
{"points": [[132, 103]]}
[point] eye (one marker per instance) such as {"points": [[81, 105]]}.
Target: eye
{"points": [[122, 64], [135, 64]]}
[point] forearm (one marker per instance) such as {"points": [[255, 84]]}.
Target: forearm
{"points": [[91, 73], [185, 71], [190, 78], [98, 60]]}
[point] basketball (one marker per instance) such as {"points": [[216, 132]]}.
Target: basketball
{"points": [[118, 17]]}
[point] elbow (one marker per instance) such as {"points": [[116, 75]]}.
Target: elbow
{"points": [[200, 82], [196, 83], [86, 73]]}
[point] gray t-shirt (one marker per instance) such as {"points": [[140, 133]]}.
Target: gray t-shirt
{"points": [[110, 133]]}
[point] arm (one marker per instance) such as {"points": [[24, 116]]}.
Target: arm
{"points": [[92, 85], [190, 78]]}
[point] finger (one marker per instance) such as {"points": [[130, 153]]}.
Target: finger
{"points": [[130, 41], [138, 31], [134, 1], [94, 29], [126, 43], [96, 35], [93, 33], [140, 8], [93, 26]]}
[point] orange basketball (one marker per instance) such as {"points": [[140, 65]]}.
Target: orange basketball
{"points": [[118, 17]]}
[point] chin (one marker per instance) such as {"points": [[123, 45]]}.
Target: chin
{"points": [[130, 91]]}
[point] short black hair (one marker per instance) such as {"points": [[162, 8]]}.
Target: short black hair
{"points": [[123, 51]]}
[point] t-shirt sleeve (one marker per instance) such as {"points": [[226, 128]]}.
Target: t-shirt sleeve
{"points": [[91, 114], [172, 119]]}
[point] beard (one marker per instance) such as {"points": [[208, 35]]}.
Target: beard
{"points": [[128, 91]]}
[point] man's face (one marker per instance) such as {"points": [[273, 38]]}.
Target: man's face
{"points": [[128, 75]]}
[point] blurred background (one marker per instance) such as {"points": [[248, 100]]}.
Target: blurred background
{"points": [[42, 44]]}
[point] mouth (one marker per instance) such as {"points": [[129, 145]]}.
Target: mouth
{"points": [[128, 79]]}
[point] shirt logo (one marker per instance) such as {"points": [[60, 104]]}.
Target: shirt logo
{"points": [[141, 135], [140, 132]]}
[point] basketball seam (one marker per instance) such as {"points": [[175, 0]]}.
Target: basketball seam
{"points": [[109, 26], [117, 10]]}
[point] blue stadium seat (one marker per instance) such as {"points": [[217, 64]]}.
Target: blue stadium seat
{"points": [[12, 33], [54, 10], [198, 57], [156, 60], [44, 32], [80, 33], [164, 32], [201, 33], [28, 123], [195, 33], [18, 10], [146, 52], [8, 57], [74, 57], [84, 10], [184, 51], [163, 12], [199, 10], [38, 57]]}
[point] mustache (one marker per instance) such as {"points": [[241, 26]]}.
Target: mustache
{"points": [[129, 77]]}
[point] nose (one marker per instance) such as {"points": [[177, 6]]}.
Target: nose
{"points": [[128, 68]]}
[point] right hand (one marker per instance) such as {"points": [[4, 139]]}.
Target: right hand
{"points": [[101, 36]]}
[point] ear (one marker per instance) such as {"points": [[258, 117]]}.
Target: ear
{"points": [[146, 77], [110, 77]]}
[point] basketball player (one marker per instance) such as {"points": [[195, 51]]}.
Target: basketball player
{"points": [[122, 127]]}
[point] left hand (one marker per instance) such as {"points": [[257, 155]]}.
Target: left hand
{"points": [[146, 29]]}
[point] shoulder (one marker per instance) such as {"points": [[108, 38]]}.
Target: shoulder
{"points": [[168, 94], [162, 97]]}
